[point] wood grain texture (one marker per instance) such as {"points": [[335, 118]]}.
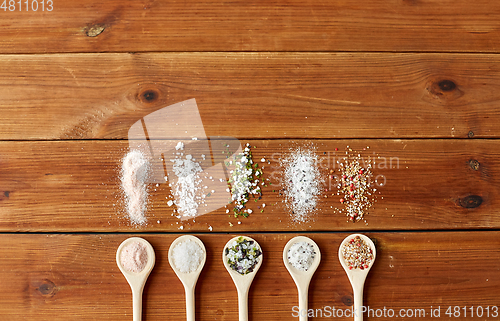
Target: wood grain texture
{"points": [[72, 186], [67, 277], [253, 95], [138, 26]]}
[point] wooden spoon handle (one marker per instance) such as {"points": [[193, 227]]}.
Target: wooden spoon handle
{"points": [[190, 314], [303, 296], [137, 304], [243, 305], [358, 302]]}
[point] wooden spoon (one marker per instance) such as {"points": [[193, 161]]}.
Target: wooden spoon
{"points": [[357, 277], [188, 279], [302, 278], [137, 280], [241, 281]]}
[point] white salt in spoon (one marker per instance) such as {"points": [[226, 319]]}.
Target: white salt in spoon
{"points": [[242, 282], [302, 278], [137, 280], [188, 279], [357, 277]]}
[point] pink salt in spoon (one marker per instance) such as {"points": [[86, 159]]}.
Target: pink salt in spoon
{"points": [[137, 279], [357, 276]]}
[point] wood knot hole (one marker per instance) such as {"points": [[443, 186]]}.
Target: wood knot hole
{"points": [[347, 300], [474, 164], [6, 193], [47, 288], [470, 134], [95, 30], [447, 85], [149, 95], [471, 201]]}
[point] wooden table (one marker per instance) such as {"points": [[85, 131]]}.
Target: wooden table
{"points": [[415, 81]]}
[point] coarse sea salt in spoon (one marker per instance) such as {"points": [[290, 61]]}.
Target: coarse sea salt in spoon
{"points": [[136, 258], [189, 270], [242, 281], [302, 274], [357, 260]]}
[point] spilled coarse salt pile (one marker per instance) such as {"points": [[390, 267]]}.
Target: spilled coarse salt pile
{"points": [[301, 255], [185, 189], [357, 254], [187, 256], [244, 181], [302, 182], [134, 174], [134, 257]]}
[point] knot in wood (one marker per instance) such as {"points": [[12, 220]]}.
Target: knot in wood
{"points": [[347, 300], [471, 201], [474, 164], [470, 134], [148, 96], [447, 85], [47, 288]]}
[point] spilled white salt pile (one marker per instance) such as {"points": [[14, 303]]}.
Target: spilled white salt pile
{"points": [[187, 256], [185, 189], [302, 182], [301, 255], [134, 257], [134, 173]]}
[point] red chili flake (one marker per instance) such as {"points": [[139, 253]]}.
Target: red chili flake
{"points": [[344, 177], [336, 149], [342, 200]]}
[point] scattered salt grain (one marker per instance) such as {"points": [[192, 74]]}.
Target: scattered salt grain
{"points": [[301, 255], [179, 146], [134, 173], [134, 257], [187, 256], [170, 203]]}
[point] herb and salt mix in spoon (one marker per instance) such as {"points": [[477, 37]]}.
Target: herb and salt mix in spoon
{"points": [[242, 257], [357, 254], [301, 256], [187, 256], [136, 258]]}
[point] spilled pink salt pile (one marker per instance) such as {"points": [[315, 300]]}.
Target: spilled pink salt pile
{"points": [[135, 167], [134, 257]]}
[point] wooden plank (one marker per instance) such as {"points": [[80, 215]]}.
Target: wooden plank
{"points": [[73, 186], [67, 277], [131, 26], [260, 95]]}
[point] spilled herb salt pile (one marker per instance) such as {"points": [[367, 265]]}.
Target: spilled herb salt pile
{"points": [[187, 256], [355, 186], [357, 254], [185, 189], [134, 257], [301, 255], [244, 181], [242, 255], [134, 174], [302, 182]]}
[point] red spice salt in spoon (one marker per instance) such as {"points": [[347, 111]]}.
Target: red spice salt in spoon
{"points": [[357, 264], [136, 280]]}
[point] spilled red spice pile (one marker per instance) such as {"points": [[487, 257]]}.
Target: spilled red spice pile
{"points": [[355, 186]]}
